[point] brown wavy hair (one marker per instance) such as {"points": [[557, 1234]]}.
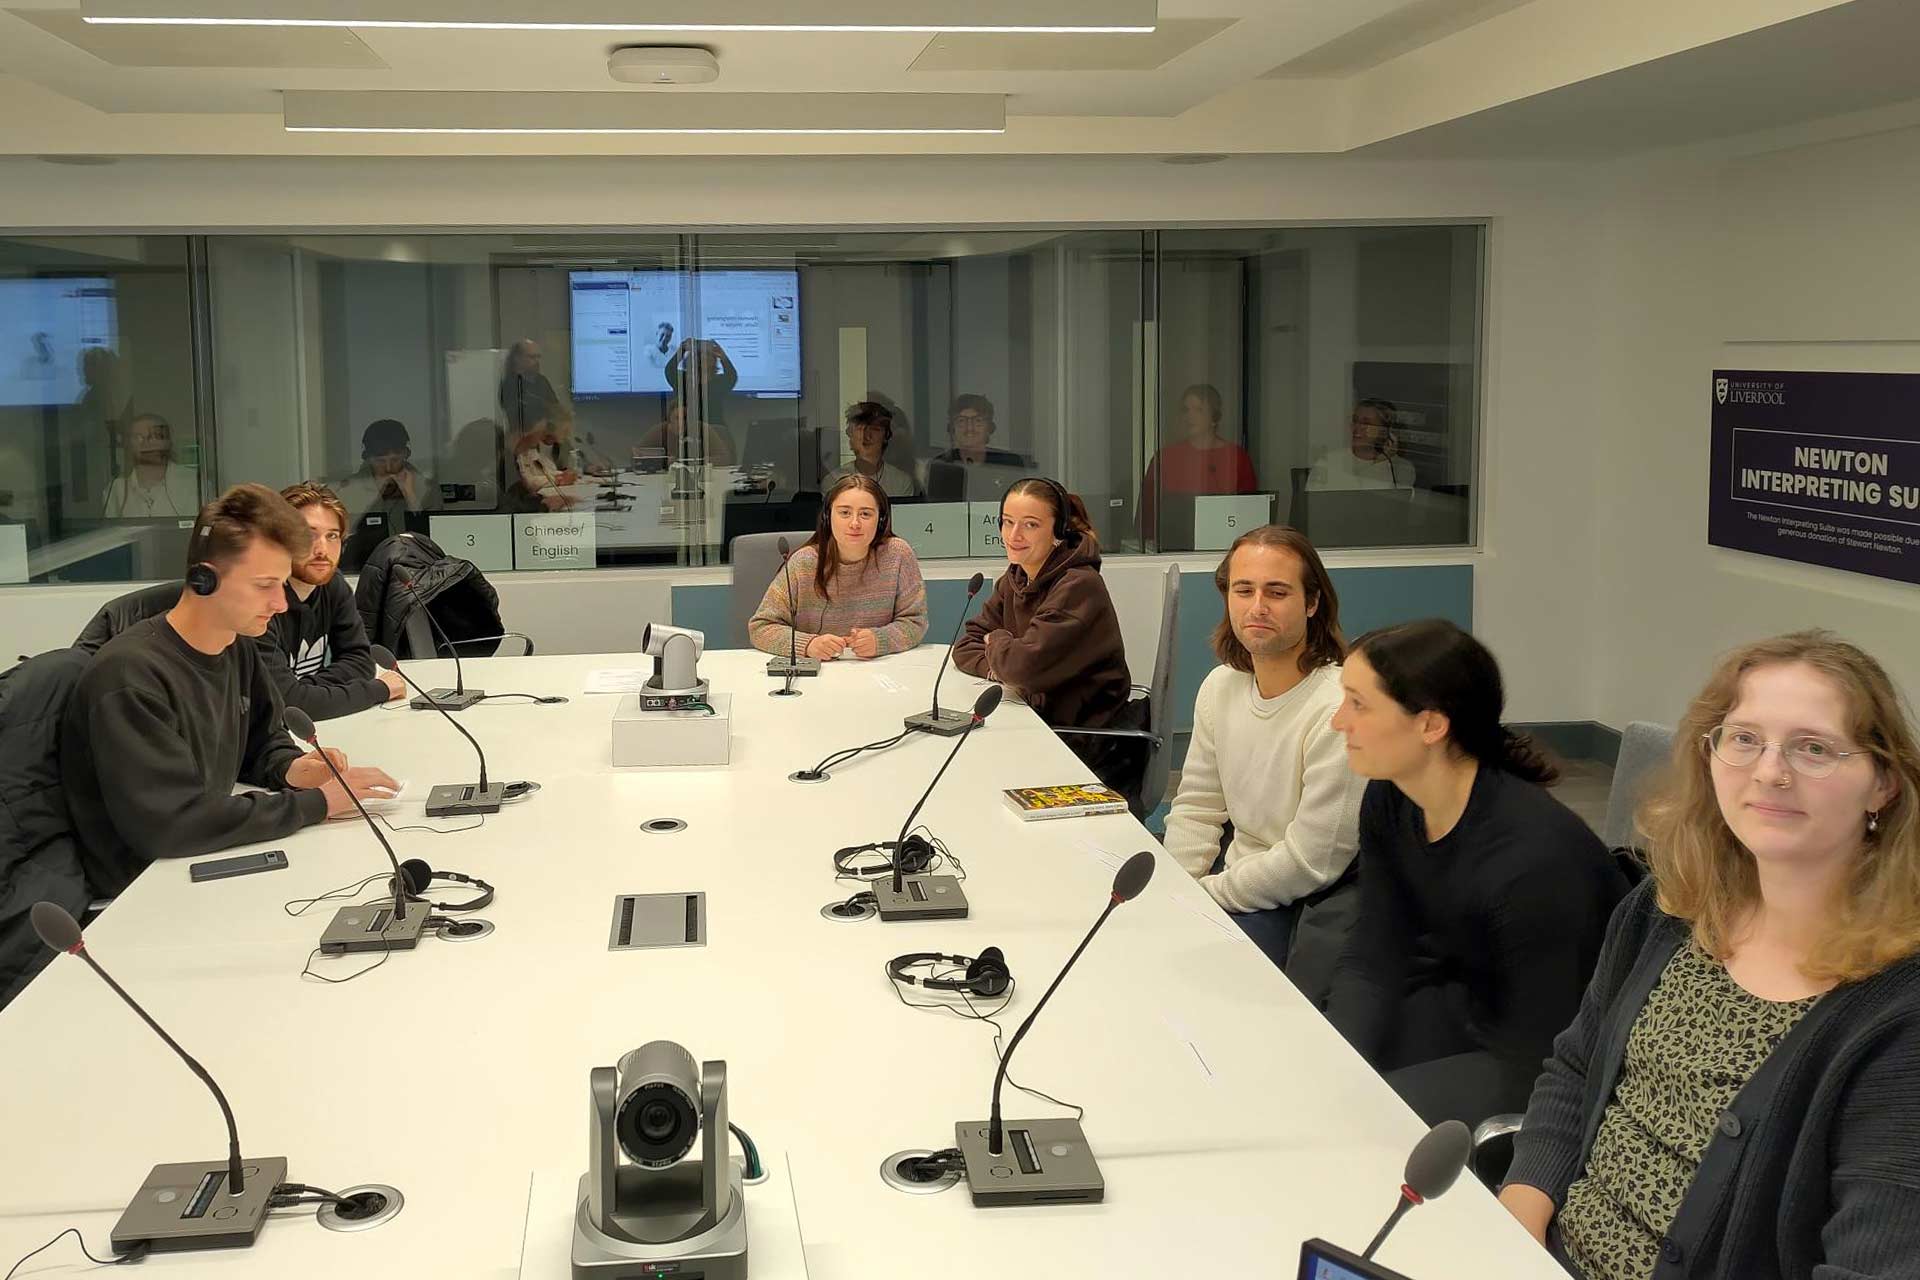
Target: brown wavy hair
{"points": [[244, 512], [1324, 643], [1706, 877], [1070, 522], [826, 550], [305, 494]]}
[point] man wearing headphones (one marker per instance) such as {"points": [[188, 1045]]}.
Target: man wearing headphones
{"points": [[869, 431], [172, 713]]}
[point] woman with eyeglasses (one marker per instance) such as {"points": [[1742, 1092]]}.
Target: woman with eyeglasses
{"points": [[1739, 1096], [1483, 900], [1049, 631]]}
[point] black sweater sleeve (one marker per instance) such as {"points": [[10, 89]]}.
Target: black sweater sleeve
{"points": [[1371, 977], [168, 813]]}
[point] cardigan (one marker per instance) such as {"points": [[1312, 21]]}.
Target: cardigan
{"points": [[1815, 1169]]}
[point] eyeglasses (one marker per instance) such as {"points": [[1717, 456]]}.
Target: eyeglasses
{"points": [[1808, 756]]}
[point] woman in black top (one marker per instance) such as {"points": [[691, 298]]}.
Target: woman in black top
{"points": [[1739, 1097], [1482, 898]]}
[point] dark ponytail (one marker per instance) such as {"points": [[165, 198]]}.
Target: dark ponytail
{"points": [[1432, 665]]}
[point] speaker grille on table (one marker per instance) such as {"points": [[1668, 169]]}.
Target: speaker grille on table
{"points": [[643, 920]]}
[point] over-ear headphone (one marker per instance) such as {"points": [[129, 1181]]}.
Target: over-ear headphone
{"points": [[1063, 530], [202, 577], [987, 974], [419, 875], [915, 856]]}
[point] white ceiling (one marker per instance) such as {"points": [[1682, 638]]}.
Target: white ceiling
{"points": [[1413, 77]]}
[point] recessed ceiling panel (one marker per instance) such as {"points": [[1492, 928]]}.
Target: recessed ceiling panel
{"points": [[263, 47], [1028, 52], [1402, 31]]}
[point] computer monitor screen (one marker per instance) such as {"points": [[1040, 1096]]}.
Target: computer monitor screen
{"points": [[47, 324], [1322, 1261], [630, 326]]}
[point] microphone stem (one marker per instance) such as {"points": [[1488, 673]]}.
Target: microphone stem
{"points": [[235, 1176], [993, 1125], [793, 628], [908, 824], [449, 719], [1386, 1228], [399, 879]]}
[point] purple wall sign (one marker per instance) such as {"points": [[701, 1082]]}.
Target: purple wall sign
{"points": [[1823, 468]]}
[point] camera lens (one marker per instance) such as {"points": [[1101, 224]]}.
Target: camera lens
{"points": [[657, 1124], [656, 1121]]}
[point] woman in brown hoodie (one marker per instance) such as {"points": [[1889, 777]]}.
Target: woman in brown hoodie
{"points": [[1049, 632]]}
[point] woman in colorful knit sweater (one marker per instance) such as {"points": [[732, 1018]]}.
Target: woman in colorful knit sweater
{"points": [[858, 586]]}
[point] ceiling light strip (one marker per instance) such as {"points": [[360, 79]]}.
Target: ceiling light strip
{"points": [[642, 112]]}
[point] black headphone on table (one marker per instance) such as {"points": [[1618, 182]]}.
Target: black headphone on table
{"points": [[202, 578], [987, 974], [915, 856], [419, 875]]}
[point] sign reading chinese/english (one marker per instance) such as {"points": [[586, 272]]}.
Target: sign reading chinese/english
{"points": [[1823, 468]]}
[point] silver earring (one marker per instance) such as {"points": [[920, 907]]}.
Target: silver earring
{"points": [[1873, 821]]}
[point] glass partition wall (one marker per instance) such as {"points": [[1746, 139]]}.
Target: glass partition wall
{"points": [[570, 401]]}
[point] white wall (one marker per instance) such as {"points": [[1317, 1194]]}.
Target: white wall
{"points": [[1536, 602], [1801, 259]]}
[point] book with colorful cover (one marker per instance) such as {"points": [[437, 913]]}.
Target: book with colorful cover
{"points": [[1074, 800]]}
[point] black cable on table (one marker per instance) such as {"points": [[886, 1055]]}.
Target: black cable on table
{"points": [[135, 1254]]}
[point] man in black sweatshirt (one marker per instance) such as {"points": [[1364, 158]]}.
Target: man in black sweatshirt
{"points": [[316, 651], [173, 712]]}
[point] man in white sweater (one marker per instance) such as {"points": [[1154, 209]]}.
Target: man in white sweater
{"points": [[1264, 755]]}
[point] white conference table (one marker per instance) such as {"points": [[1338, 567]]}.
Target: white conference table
{"points": [[1230, 1121]]}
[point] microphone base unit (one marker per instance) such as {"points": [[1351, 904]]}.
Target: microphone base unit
{"points": [[456, 800], [447, 699], [921, 897], [371, 926], [1040, 1162], [182, 1207], [945, 723], [780, 667]]}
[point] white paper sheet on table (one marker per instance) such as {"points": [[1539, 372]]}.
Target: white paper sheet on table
{"points": [[616, 680]]}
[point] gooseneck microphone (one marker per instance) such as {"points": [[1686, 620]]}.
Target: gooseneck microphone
{"points": [[1435, 1163], [300, 725], [61, 932], [354, 927], [794, 664], [458, 698], [1132, 877], [983, 707], [948, 723], [174, 1208], [449, 800]]}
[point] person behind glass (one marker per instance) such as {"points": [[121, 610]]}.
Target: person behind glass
{"points": [[970, 426], [869, 431], [153, 484], [857, 587], [387, 479], [540, 479], [526, 396], [1264, 756], [1737, 1096], [1049, 632], [1371, 457], [703, 442], [714, 377], [1482, 898], [177, 709], [1201, 462]]}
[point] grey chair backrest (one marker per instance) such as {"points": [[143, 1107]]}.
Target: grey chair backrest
{"points": [[1644, 748], [755, 558], [1153, 788]]}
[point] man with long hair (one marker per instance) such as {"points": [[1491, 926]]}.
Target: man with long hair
{"points": [[317, 652], [1264, 756]]}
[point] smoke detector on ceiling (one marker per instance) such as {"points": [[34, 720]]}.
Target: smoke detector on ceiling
{"points": [[654, 64]]}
